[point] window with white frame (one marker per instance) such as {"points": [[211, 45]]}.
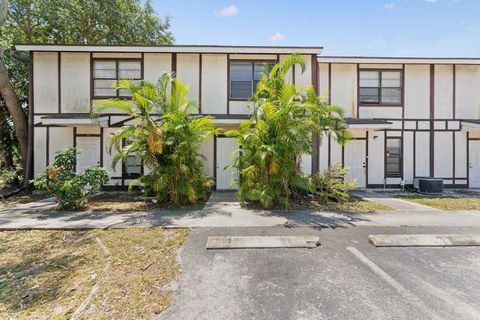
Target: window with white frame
{"points": [[107, 71], [381, 87], [244, 77]]}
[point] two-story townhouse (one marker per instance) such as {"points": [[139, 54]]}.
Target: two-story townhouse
{"points": [[409, 117], [67, 79]]}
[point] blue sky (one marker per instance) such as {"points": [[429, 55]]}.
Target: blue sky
{"points": [[436, 28]]}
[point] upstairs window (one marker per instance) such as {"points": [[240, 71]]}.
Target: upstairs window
{"points": [[244, 77], [107, 71], [382, 87]]}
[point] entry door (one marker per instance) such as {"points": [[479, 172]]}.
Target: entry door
{"points": [[225, 147], [474, 165], [355, 160], [89, 148]]}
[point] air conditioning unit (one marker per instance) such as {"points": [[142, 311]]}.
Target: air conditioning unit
{"points": [[428, 185]]}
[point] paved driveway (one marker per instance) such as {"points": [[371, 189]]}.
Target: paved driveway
{"points": [[345, 278]]}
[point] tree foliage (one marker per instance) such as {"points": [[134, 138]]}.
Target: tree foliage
{"points": [[92, 22], [165, 136], [280, 130]]}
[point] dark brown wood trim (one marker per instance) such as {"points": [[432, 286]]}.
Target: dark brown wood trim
{"points": [[47, 147], [454, 93], [200, 83], [366, 158], [74, 137], [316, 138], [59, 78], [91, 78], [293, 74], [174, 64], [88, 135], [403, 91], [358, 90], [432, 116], [215, 159], [343, 156], [468, 159], [414, 153], [329, 150], [142, 66], [385, 156], [329, 86], [101, 145], [453, 157], [228, 87]]}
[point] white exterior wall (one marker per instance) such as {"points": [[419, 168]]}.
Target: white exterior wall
{"points": [[188, 71], [45, 79], [61, 138], [417, 89], [155, 64], [40, 153], [344, 87], [467, 92], [207, 150], [443, 92], [422, 154], [75, 82], [214, 83]]}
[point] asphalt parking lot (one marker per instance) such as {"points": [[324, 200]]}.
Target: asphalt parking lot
{"points": [[344, 278]]}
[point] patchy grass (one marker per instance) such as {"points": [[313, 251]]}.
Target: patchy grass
{"points": [[22, 197], [444, 202], [129, 203], [47, 274]]}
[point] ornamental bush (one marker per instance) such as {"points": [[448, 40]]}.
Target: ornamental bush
{"points": [[330, 185], [70, 188]]}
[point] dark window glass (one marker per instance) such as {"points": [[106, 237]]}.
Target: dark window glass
{"points": [[394, 157], [380, 87], [107, 71], [132, 167], [244, 77]]}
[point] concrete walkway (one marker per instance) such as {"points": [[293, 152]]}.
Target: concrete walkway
{"points": [[223, 210]]}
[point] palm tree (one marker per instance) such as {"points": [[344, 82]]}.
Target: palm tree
{"points": [[165, 136], [278, 133]]}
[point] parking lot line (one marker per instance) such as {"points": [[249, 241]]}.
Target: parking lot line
{"points": [[407, 295]]}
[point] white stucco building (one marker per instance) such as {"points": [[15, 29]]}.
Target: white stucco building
{"points": [[409, 117]]}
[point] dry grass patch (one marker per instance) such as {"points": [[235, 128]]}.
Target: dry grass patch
{"points": [[129, 203], [47, 274], [22, 197], [448, 203]]}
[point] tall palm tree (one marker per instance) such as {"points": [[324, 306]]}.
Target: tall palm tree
{"points": [[165, 135], [278, 133]]}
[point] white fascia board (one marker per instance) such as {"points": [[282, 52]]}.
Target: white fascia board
{"points": [[470, 126], [74, 122], [229, 121], [400, 60], [173, 49], [370, 126]]}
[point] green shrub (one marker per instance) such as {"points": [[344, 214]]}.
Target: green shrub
{"points": [[330, 185], [11, 177], [70, 188]]}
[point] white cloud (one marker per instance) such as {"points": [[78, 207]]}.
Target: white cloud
{"points": [[431, 1], [277, 37], [389, 6], [229, 11]]}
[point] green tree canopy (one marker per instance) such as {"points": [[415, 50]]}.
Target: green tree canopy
{"points": [[92, 22]]}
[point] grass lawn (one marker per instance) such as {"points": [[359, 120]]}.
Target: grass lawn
{"points": [[353, 205], [445, 202], [48, 274]]}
